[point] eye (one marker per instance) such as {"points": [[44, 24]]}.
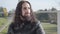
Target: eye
{"points": [[26, 8]]}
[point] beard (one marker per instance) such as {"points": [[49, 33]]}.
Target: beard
{"points": [[27, 18]]}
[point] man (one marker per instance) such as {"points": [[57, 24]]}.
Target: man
{"points": [[24, 21]]}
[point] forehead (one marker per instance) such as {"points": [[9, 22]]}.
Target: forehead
{"points": [[25, 4]]}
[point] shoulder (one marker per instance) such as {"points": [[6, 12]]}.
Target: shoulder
{"points": [[38, 22], [11, 25]]}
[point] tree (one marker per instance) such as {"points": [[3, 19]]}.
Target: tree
{"points": [[5, 12], [45, 10], [53, 9], [11, 12], [1, 9]]}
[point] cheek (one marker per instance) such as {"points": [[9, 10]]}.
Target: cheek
{"points": [[29, 11], [23, 12]]}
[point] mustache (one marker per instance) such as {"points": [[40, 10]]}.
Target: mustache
{"points": [[27, 13]]}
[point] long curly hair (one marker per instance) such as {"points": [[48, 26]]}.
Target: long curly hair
{"points": [[18, 13]]}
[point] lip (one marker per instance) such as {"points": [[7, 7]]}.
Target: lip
{"points": [[27, 13]]}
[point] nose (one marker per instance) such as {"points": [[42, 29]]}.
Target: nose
{"points": [[27, 11]]}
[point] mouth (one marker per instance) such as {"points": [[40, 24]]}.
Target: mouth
{"points": [[27, 14]]}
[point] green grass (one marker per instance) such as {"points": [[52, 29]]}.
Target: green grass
{"points": [[50, 28], [4, 31], [3, 21]]}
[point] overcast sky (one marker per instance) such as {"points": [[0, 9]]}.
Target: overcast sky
{"points": [[36, 4]]}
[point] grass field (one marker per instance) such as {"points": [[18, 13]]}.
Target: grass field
{"points": [[3, 21], [49, 28], [4, 31]]}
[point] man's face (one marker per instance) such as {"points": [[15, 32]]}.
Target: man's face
{"points": [[26, 10]]}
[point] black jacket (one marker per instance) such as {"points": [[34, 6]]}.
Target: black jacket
{"points": [[26, 29]]}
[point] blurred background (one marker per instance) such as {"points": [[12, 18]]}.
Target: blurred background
{"points": [[45, 11]]}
